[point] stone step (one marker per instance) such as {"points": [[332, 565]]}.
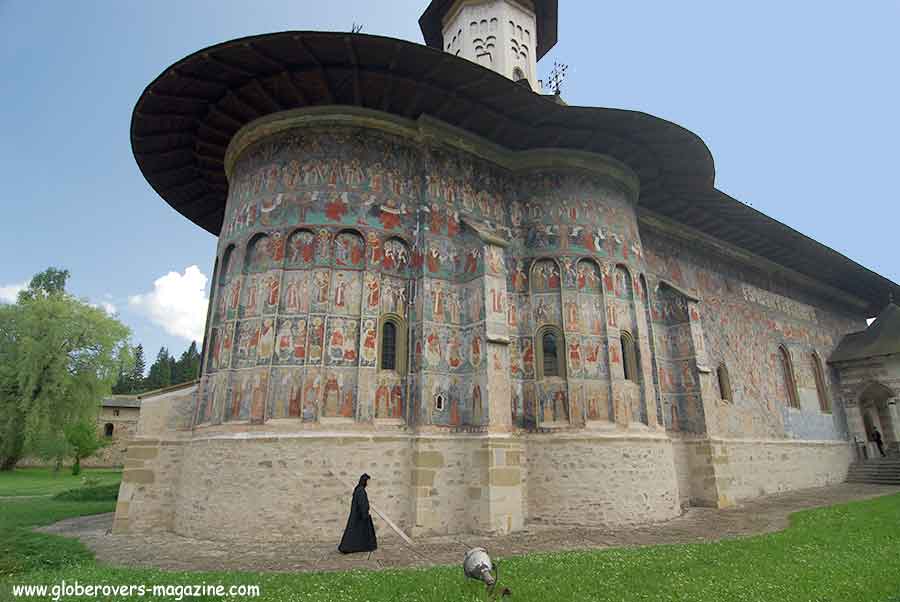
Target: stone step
{"points": [[881, 471]]}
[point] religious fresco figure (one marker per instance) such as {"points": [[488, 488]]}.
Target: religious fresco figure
{"points": [[271, 285], [332, 395], [382, 401], [519, 278], [316, 339], [575, 357], [295, 298], [454, 357], [266, 340], [477, 409], [475, 356], [373, 291], [396, 401], [369, 342], [302, 248], [322, 281]]}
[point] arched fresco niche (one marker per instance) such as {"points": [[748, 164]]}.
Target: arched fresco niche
{"points": [[626, 320], [387, 334], [551, 389], [349, 250], [301, 249]]}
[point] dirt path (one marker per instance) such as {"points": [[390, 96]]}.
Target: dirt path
{"points": [[173, 552]]}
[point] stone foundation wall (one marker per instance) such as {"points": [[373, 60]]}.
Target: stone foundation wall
{"points": [[150, 482], [695, 472], [298, 487], [751, 468], [595, 479]]}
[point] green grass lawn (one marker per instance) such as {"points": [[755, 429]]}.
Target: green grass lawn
{"points": [[43, 481], [847, 553]]}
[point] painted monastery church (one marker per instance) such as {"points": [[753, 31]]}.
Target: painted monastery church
{"points": [[504, 308]]}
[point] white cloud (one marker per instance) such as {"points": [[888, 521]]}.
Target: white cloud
{"points": [[177, 302], [105, 306], [10, 292]]}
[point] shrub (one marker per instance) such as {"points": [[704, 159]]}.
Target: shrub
{"points": [[99, 493]]}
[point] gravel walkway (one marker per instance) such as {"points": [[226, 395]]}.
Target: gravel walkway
{"points": [[173, 552]]}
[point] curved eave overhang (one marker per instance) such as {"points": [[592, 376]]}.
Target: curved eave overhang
{"points": [[183, 122]]}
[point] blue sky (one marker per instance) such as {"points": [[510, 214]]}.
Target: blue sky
{"points": [[797, 101]]}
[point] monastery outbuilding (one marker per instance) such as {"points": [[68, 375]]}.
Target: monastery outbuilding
{"points": [[503, 308]]}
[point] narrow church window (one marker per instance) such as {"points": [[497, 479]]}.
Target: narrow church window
{"points": [[392, 349], [790, 384], [108, 429], [549, 355], [551, 359], [115, 412], [824, 402], [439, 402], [389, 346], [724, 383], [518, 75], [629, 357]]}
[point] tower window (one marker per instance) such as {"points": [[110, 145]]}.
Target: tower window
{"points": [[724, 383], [629, 357], [108, 429], [518, 74], [439, 402]]}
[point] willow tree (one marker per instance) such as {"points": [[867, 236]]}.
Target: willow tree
{"points": [[58, 357]]}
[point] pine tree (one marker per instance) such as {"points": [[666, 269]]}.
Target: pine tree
{"points": [[137, 373], [123, 380], [160, 375], [188, 365]]}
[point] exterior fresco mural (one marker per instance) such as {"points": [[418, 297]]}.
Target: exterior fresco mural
{"points": [[741, 321], [329, 231]]}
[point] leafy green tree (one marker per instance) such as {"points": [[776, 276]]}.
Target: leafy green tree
{"points": [[58, 357], [83, 442]]}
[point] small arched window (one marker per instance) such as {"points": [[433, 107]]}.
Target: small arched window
{"points": [[115, 412], [824, 402], [439, 402], [551, 353], [518, 74], [108, 429], [724, 383], [629, 356], [790, 384], [393, 345]]}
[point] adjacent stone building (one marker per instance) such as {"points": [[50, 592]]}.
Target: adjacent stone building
{"points": [[117, 424], [503, 308]]}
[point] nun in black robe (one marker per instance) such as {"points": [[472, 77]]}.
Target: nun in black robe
{"points": [[359, 536]]}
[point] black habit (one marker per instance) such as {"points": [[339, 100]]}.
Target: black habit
{"points": [[359, 536]]}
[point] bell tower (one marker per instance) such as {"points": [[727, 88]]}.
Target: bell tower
{"points": [[506, 36]]}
